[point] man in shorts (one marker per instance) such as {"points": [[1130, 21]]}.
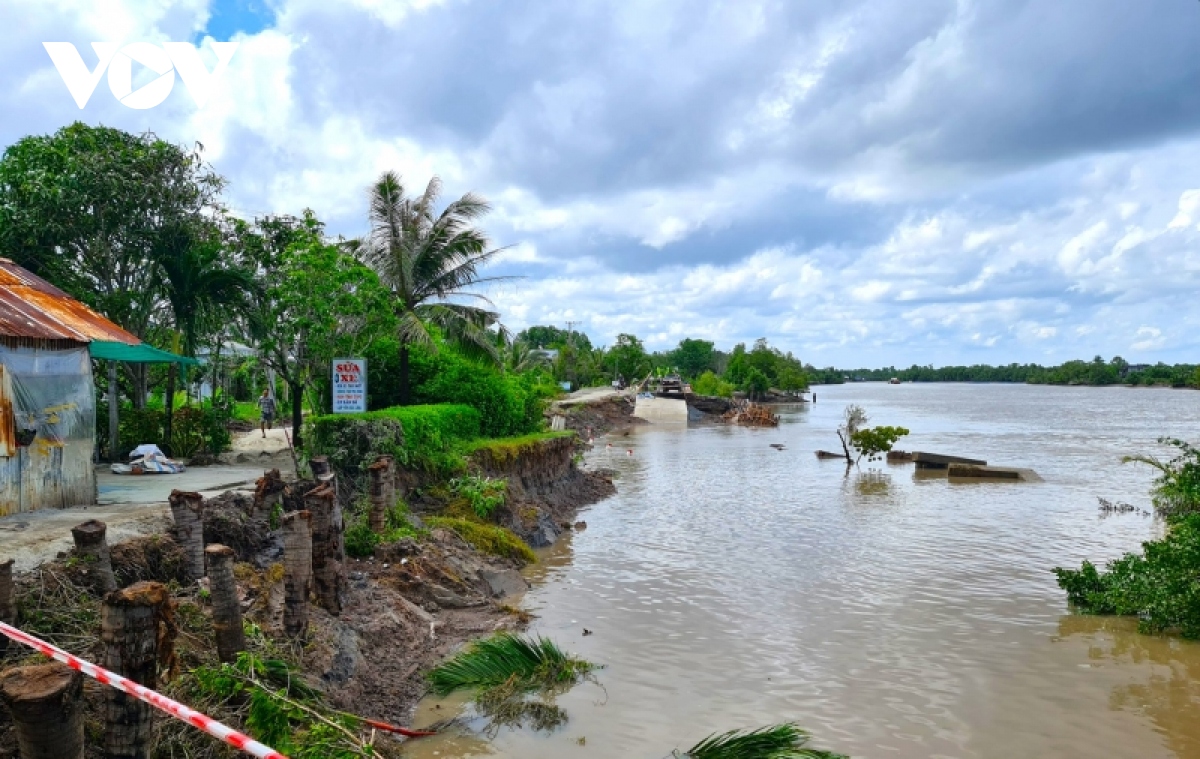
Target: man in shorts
{"points": [[266, 404]]}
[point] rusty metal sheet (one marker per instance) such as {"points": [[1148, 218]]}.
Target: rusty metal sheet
{"points": [[8, 419], [31, 307]]}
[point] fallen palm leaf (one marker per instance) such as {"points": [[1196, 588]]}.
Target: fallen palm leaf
{"points": [[786, 741], [528, 663]]}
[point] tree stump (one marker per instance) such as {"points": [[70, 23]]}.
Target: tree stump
{"points": [[227, 607], [328, 548], [267, 494], [187, 509], [297, 572], [129, 631], [8, 606], [383, 491], [90, 543], [46, 705], [320, 468]]}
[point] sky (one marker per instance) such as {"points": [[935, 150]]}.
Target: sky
{"points": [[862, 182]]}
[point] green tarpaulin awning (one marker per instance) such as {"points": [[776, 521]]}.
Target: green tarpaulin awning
{"points": [[136, 354]]}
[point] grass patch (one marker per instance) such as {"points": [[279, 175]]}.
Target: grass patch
{"points": [[499, 451], [489, 538], [786, 741], [504, 670]]}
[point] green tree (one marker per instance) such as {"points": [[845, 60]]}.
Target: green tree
{"points": [[710, 384], [628, 358], [541, 336], [202, 288], [692, 357], [426, 259], [755, 383], [319, 303], [86, 207]]}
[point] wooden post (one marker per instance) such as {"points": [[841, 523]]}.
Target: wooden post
{"points": [[328, 548], [114, 426], [227, 607], [297, 571], [90, 542], [47, 710], [8, 606], [383, 492], [129, 632], [187, 509]]}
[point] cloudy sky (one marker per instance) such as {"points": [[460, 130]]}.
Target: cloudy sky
{"points": [[863, 182]]}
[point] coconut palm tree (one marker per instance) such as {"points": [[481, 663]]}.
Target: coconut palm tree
{"points": [[430, 261], [519, 357], [200, 286]]}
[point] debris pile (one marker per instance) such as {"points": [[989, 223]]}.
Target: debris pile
{"points": [[750, 415]]}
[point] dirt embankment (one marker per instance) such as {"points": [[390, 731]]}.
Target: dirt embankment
{"points": [[546, 487], [609, 415]]}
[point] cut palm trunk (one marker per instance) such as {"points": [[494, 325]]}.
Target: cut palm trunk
{"points": [[383, 492], [130, 622], [46, 704], [187, 509], [90, 543], [8, 607], [227, 606], [268, 494], [328, 548], [297, 572]]}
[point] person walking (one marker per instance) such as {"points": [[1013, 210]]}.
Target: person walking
{"points": [[266, 405]]}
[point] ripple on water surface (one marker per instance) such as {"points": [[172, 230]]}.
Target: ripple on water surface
{"points": [[893, 614]]}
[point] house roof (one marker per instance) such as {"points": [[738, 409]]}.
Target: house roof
{"points": [[31, 307]]}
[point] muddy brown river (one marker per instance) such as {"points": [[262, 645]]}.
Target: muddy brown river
{"points": [[892, 614]]}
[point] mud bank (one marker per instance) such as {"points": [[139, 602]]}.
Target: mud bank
{"points": [[609, 415], [403, 610]]}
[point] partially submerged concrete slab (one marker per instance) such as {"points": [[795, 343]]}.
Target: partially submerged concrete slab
{"points": [[1000, 473], [662, 410], [939, 461]]}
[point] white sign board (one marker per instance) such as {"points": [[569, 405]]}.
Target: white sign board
{"points": [[349, 385]]}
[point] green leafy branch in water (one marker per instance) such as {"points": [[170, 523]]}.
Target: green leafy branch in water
{"points": [[485, 494], [1177, 488], [874, 442], [504, 670], [1158, 586], [786, 741]]}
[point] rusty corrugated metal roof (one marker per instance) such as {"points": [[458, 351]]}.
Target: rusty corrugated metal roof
{"points": [[33, 308]]}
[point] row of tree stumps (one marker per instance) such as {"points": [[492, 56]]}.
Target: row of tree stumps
{"points": [[136, 622]]}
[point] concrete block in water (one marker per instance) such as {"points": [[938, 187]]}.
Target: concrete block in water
{"points": [[938, 461], [967, 471], [661, 410]]}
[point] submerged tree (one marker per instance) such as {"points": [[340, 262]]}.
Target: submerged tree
{"points": [[427, 260], [871, 442]]}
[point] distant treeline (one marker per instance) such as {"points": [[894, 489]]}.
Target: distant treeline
{"points": [[1116, 371]]}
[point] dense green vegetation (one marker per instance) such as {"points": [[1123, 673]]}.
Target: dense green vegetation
{"points": [[425, 437], [1116, 371], [488, 538], [1159, 586]]}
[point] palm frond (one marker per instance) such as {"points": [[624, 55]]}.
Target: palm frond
{"points": [[467, 327], [785, 741], [527, 663]]}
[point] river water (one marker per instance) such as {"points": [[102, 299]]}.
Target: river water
{"points": [[892, 614]]}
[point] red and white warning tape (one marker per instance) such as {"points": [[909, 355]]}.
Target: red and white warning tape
{"points": [[157, 700]]}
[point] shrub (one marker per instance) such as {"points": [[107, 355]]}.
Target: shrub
{"points": [[488, 538], [1158, 586], [361, 540], [196, 428], [485, 494], [710, 384], [508, 405], [1177, 488]]}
